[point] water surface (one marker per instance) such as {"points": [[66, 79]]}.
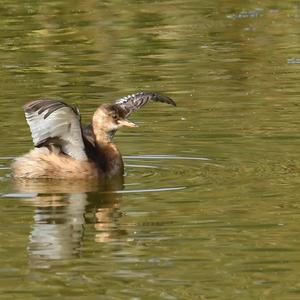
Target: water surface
{"points": [[209, 208]]}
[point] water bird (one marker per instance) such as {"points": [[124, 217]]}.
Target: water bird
{"points": [[63, 148]]}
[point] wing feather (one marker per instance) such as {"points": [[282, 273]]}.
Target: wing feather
{"points": [[133, 102], [56, 122]]}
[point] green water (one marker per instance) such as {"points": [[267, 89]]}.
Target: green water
{"points": [[210, 207]]}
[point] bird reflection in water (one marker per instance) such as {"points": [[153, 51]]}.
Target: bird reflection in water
{"points": [[63, 212]]}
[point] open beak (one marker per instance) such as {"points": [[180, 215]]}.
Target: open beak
{"points": [[126, 123]]}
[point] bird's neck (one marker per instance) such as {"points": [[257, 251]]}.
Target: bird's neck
{"points": [[104, 138], [110, 158], [103, 151]]}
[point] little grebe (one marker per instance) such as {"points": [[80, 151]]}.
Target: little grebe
{"points": [[64, 149]]}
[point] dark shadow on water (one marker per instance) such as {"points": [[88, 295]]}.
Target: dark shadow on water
{"points": [[67, 215]]}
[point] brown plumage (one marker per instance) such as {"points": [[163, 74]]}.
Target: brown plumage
{"points": [[63, 149]]}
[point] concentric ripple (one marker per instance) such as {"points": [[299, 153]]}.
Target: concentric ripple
{"points": [[155, 173]]}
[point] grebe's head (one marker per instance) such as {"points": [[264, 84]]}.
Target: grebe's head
{"points": [[108, 118]]}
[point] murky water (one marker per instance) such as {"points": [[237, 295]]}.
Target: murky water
{"points": [[210, 207]]}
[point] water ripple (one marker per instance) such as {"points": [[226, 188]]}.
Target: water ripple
{"points": [[164, 156], [152, 190]]}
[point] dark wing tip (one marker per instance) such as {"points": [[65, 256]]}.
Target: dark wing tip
{"points": [[32, 105], [162, 98], [42, 105]]}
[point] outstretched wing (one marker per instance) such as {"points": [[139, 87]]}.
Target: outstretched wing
{"points": [[55, 122], [133, 102]]}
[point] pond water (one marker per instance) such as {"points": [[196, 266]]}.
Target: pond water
{"points": [[210, 206]]}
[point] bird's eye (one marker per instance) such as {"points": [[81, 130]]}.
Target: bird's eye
{"points": [[114, 116]]}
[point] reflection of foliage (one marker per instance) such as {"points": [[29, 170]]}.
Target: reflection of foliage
{"points": [[74, 49]]}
